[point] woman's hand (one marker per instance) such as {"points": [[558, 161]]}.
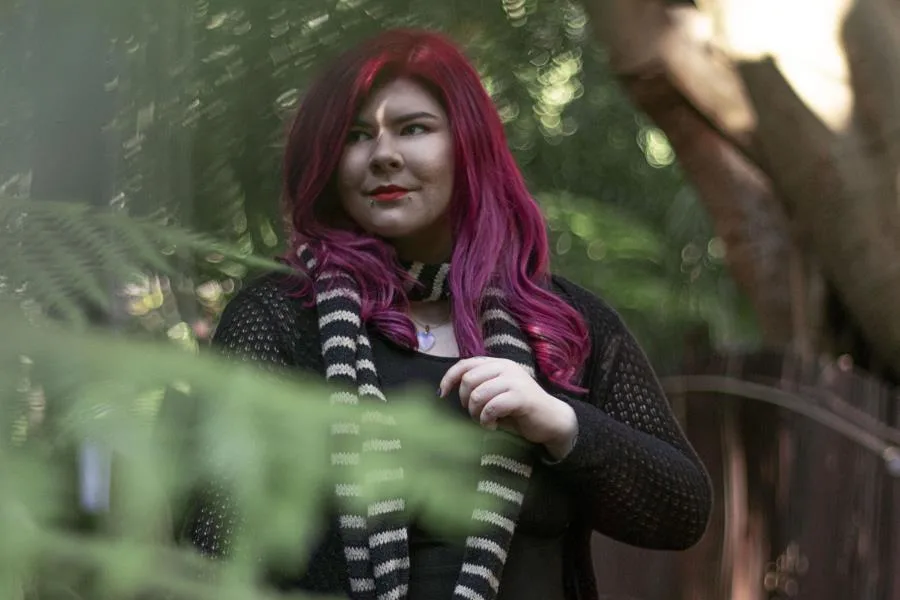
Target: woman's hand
{"points": [[499, 392]]}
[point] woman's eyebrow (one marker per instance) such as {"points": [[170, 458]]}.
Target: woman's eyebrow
{"points": [[402, 118]]}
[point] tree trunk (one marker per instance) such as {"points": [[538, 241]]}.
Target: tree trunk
{"points": [[812, 117], [786, 119]]}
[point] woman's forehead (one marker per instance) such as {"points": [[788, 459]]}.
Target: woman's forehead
{"points": [[397, 99]]}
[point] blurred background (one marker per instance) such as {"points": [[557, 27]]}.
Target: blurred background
{"points": [[724, 173]]}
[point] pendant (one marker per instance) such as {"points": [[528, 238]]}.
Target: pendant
{"points": [[426, 339]]}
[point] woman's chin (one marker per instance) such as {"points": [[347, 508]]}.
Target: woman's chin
{"points": [[394, 224], [390, 230]]}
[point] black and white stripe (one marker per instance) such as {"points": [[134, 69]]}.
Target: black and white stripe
{"points": [[376, 541]]}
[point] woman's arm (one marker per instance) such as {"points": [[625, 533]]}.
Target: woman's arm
{"points": [[258, 326], [638, 479]]}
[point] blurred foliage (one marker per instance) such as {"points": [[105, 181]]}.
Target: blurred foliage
{"points": [[140, 146], [98, 468], [70, 258], [73, 396]]}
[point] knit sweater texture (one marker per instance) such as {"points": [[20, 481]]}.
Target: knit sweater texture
{"points": [[631, 476]]}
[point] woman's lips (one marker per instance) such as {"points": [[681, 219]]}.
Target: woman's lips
{"points": [[389, 196]]}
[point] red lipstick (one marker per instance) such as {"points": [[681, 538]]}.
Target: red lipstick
{"points": [[388, 193]]}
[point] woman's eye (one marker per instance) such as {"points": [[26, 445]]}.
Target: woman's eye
{"points": [[357, 135], [414, 129]]}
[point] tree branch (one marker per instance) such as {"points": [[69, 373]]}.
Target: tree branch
{"points": [[665, 71], [646, 37], [716, 384]]}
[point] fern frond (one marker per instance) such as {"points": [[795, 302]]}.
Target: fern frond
{"points": [[29, 278], [266, 435], [65, 255]]}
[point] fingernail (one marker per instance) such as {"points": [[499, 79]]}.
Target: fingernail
{"points": [[440, 393]]}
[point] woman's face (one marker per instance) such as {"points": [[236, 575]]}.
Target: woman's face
{"points": [[395, 178]]}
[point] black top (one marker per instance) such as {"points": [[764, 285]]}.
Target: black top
{"points": [[631, 475], [533, 569]]}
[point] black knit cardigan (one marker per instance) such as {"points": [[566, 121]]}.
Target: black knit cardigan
{"points": [[637, 478]]}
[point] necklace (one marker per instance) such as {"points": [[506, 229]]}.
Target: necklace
{"points": [[425, 337]]}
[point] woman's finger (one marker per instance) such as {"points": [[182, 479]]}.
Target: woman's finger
{"points": [[476, 376], [501, 406], [454, 374], [485, 392]]}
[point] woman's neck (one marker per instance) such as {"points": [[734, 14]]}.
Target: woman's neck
{"points": [[431, 313], [431, 245]]}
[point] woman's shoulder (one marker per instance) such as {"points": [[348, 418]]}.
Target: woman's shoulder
{"points": [[271, 286], [273, 298], [599, 315]]}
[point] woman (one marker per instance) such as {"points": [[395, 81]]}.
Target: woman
{"points": [[396, 168]]}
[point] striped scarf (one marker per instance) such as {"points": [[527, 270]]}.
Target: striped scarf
{"points": [[375, 541]]}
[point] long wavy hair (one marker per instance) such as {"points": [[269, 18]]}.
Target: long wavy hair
{"points": [[498, 231]]}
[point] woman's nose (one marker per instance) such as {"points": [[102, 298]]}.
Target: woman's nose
{"points": [[385, 156]]}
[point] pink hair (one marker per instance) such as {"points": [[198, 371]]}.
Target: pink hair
{"points": [[499, 233]]}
